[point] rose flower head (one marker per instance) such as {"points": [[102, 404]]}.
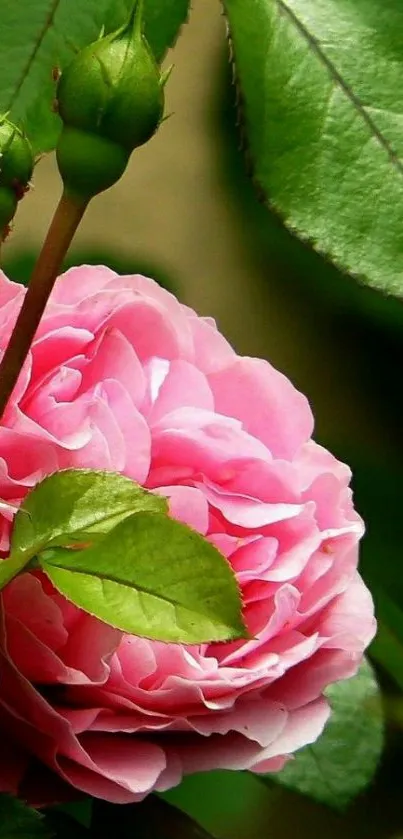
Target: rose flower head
{"points": [[122, 377]]}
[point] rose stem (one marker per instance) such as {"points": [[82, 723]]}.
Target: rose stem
{"points": [[66, 219]]}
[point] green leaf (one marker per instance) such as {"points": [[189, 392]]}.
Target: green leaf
{"points": [[17, 821], [321, 86], [154, 577], [344, 759], [62, 826], [387, 650], [37, 37], [378, 496], [163, 20], [75, 505], [152, 818]]}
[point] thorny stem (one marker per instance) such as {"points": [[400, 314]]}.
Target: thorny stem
{"points": [[66, 219]]}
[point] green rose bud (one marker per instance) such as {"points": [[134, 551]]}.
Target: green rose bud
{"points": [[8, 209], [16, 167], [111, 100]]}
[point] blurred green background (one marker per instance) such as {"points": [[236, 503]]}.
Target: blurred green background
{"points": [[186, 213]]}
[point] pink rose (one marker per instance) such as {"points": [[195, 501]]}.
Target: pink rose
{"points": [[122, 377]]}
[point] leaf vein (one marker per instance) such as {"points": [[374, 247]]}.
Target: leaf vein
{"points": [[32, 56], [142, 590], [342, 83]]}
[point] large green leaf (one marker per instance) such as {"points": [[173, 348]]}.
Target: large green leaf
{"points": [[344, 759], [322, 94], [75, 505], [20, 822], [39, 36], [154, 577]]}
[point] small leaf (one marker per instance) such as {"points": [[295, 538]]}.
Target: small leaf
{"points": [[62, 826], [17, 821], [320, 84], [162, 21], [344, 759], [154, 577], [76, 505]]}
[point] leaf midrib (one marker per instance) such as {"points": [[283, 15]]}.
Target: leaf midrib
{"points": [[32, 56], [341, 82], [112, 578]]}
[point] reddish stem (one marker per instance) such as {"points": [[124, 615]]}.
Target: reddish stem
{"points": [[62, 229]]}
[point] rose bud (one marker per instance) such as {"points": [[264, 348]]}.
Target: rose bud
{"points": [[16, 167], [111, 101]]}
